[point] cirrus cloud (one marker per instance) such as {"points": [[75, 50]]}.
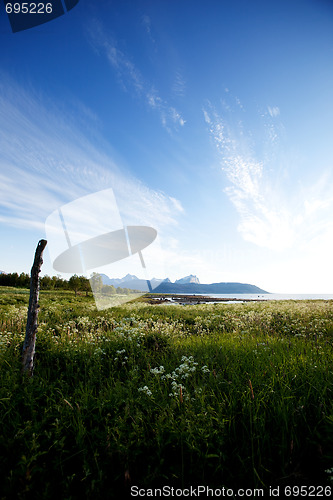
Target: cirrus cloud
{"points": [[269, 216]]}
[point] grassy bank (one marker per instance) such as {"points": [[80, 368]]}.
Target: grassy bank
{"points": [[238, 395]]}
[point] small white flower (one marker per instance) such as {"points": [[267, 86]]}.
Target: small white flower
{"points": [[146, 390], [157, 371]]}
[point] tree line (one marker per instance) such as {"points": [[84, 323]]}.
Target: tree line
{"points": [[75, 283]]}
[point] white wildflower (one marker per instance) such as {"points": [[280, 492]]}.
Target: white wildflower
{"points": [[145, 389]]}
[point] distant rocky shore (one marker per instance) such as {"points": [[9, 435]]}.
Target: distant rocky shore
{"points": [[193, 299]]}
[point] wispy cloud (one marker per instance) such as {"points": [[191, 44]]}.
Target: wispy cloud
{"points": [[130, 77], [269, 216], [179, 85], [273, 111], [146, 22], [46, 160]]}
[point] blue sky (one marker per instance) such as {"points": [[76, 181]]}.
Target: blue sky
{"points": [[211, 122]]}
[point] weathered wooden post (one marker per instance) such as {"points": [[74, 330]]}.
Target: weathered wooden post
{"points": [[31, 329]]}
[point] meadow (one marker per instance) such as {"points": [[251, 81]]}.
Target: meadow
{"points": [[234, 395]]}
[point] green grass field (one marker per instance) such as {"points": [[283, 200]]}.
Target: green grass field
{"points": [[236, 395]]}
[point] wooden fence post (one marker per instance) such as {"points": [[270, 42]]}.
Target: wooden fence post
{"points": [[31, 328]]}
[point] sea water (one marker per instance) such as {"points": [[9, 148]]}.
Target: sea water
{"points": [[271, 296]]}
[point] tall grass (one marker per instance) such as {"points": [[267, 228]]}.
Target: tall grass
{"points": [[238, 395]]}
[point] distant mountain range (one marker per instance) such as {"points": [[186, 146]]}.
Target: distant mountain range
{"points": [[211, 288], [187, 279], [131, 281], [188, 284]]}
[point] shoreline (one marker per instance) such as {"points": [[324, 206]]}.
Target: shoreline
{"points": [[193, 299]]}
